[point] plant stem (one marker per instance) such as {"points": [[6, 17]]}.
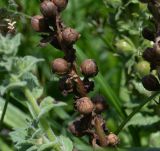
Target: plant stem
{"points": [[4, 110], [134, 112], [43, 122], [100, 132]]}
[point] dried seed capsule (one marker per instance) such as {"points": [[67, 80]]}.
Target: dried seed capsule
{"points": [[70, 36], [89, 68], [48, 9], [60, 66], [113, 140], [38, 23], [84, 105], [149, 54], [151, 83], [100, 103], [61, 4], [65, 85], [80, 126], [148, 34], [74, 128]]}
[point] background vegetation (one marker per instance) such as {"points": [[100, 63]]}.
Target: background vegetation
{"points": [[110, 34]]}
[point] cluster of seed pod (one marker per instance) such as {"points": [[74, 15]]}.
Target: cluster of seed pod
{"points": [[54, 32], [152, 54]]}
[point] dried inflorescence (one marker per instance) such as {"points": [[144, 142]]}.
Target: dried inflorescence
{"points": [[152, 54], [54, 32]]}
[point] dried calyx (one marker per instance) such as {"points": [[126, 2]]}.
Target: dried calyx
{"points": [[152, 55], [54, 32]]}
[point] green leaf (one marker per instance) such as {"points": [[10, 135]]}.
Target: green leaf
{"points": [[154, 139], [4, 89], [4, 146], [33, 84], [46, 147], [141, 120], [14, 117], [67, 144], [33, 148], [47, 105], [18, 135], [23, 65], [8, 45]]}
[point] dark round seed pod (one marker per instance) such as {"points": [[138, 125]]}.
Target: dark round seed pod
{"points": [[100, 103], [112, 139], [89, 68], [61, 4], [148, 34], [74, 128], [48, 9], [65, 85], [84, 105], [150, 83], [70, 36], [38, 23], [60, 66], [80, 126], [149, 54]]}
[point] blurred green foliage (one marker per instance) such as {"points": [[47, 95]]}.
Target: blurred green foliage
{"points": [[110, 34]]}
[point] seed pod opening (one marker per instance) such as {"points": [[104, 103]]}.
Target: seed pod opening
{"points": [[70, 36], [48, 9], [84, 105], [151, 83], [89, 68], [65, 85], [60, 66], [38, 23]]}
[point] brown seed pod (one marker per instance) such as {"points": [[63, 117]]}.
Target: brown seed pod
{"points": [[60, 66], [89, 68], [38, 23], [113, 140], [84, 105], [151, 83], [70, 36], [61, 4], [48, 9], [100, 103]]}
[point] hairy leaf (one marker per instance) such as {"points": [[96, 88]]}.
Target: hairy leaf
{"points": [[67, 144], [47, 105]]}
